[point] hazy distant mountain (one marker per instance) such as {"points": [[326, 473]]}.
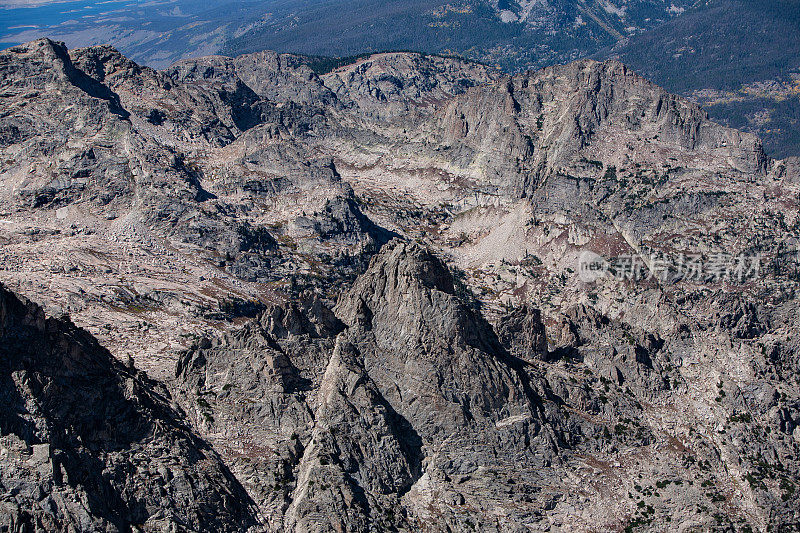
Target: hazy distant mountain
{"points": [[514, 35], [155, 33]]}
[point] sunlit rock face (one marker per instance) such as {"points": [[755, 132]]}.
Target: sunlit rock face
{"points": [[407, 293]]}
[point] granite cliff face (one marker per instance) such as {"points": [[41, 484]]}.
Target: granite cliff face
{"points": [[89, 444], [365, 293]]}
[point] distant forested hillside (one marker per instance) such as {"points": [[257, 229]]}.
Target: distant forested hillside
{"points": [[514, 35], [740, 59]]}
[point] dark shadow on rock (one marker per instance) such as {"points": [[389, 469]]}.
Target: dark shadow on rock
{"points": [[103, 421], [89, 85]]}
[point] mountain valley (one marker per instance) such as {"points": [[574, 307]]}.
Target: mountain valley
{"points": [[354, 299]]}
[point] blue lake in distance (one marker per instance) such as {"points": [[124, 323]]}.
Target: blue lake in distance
{"points": [[19, 19]]}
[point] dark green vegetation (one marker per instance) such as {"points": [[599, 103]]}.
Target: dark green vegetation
{"points": [[781, 133], [554, 32], [721, 44], [746, 50]]}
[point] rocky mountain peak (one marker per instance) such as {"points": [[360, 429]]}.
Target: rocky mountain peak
{"points": [[399, 312], [104, 63], [406, 293], [589, 110], [401, 272]]}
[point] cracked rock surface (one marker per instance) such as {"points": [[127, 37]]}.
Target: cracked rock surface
{"points": [[353, 301], [91, 445]]}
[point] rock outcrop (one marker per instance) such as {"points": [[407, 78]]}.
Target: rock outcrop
{"points": [[88, 444], [417, 391], [406, 294]]}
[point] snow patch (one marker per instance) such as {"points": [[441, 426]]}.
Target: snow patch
{"points": [[511, 420], [508, 16], [614, 10]]}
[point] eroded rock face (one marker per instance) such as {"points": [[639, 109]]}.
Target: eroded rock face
{"points": [[248, 393], [88, 444], [541, 123], [398, 86], [111, 152], [234, 219], [417, 390], [523, 332], [406, 406], [412, 327]]}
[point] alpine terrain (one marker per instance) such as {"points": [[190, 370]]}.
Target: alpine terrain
{"points": [[410, 293]]}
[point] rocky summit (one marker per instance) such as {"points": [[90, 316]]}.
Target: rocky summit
{"points": [[408, 294]]}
